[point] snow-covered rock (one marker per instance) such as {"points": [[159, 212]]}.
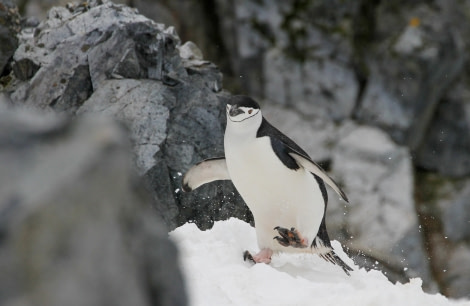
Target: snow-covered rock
{"points": [[217, 275]]}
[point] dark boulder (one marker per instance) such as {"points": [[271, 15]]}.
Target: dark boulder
{"points": [[9, 27], [76, 227]]}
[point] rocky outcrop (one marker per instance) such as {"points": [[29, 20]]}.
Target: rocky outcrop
{"points": [[9, 27], [109, 60], [442, 206], [76, 227], [418, 54], [446, 143]]}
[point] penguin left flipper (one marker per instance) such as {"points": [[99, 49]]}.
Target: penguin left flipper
{"points": [[314, 168], [206, 171]]}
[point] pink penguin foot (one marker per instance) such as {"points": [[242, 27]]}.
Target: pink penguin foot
{"points": [[264, 256], [290, 237]]}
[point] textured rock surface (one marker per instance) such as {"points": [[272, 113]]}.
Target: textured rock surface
{"points": [[109, 60], [72, 51], [443, 210], [9, 27], [455, 215], [418, 55], [446, 144], [138, 104], [378, 177], [74, 221], [334, 86]]}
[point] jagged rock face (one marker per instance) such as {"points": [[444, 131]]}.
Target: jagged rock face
{"points": [[9, 27], [74, 220], [107, 59], [74, 50], [446, 145], [418, 54]]}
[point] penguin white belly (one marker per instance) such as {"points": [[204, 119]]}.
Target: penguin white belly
{"points": [[275, 194]]}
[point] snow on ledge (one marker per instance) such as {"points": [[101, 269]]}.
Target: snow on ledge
{"points": [[216, 274]]}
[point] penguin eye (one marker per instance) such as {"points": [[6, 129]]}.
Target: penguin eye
{"points": [[250, 111]]}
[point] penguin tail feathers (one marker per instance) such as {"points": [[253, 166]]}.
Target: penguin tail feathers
{"points": [[327, 253]]}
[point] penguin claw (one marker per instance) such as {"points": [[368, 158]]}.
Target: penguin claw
{"points": [[290, 237]]}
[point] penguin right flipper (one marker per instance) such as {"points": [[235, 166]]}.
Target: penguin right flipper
{"points": [[294, 156], [206, 171], [313, 167], [321, 245]]}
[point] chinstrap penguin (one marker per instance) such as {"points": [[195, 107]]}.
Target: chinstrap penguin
{"points": [[282, 186]]}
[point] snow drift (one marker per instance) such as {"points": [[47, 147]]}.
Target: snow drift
{"points": [[217, 275]]}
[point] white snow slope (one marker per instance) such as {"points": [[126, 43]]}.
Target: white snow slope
{"points": [[216, 274]]}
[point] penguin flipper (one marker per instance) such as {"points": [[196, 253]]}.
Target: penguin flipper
{"points": [[314, 168], [329, 255], [321, 245], [206, 171]]}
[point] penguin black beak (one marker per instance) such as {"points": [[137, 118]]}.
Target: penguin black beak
{"points": [[234, 110]]}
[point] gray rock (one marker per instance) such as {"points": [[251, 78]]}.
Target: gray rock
{"points": [[446, 144], [9, 27], [377, 176], [409, 72], [299, 85], [457, 277], [138, 104], [73, 52], [74, 221], [107, 59], [311, 30], [448, 208], [455, 209]]}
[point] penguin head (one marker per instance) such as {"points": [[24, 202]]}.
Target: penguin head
{"points": [[243, 117], [242, 108]]}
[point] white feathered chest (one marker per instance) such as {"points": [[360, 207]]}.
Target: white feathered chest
{"points": [[275, 194]]}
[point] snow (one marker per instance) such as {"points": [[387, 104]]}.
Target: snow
{"points": [[216, 274]]}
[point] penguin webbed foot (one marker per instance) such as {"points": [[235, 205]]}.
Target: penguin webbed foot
{"points": [[264, 256], [290, 237]]}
